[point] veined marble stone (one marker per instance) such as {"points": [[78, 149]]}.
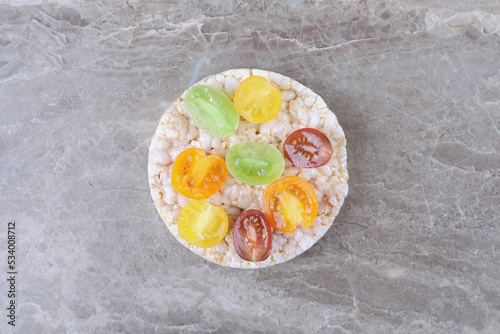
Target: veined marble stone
{"points": [[414, 84]]}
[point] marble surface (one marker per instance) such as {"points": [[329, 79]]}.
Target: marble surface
{"points": [[415, 85]]}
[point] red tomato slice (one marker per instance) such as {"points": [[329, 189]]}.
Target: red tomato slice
{"points": [[252, 236], [307, 148]]}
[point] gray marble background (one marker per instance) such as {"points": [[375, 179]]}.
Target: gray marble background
{"points": [[415, 85]]}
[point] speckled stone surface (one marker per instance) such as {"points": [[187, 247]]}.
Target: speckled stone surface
{"points": [[414, 84]]}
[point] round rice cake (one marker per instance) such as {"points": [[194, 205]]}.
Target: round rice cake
{"points": [[301, 108]]}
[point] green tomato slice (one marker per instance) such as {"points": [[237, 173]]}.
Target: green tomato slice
{"points": [[212, 110], [255, 163]]}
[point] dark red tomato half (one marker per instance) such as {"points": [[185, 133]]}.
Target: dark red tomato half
{"points": [[253, 236], [307, 148]]}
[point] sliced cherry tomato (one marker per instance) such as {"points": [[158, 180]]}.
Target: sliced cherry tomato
{"points": [[212, 110], [289, 202], [252, 236], [255, 163], [202, 223], [198, 174], [307, 148], [257, 100]]}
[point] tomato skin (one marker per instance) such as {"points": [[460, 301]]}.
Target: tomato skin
{"points": [[252, 236], [198, 174], [257, 100], [289, 202], [202, 223], [307, 148]]}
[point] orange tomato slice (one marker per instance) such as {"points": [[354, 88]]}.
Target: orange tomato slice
{"points": [[289, 202], [198, 174]]}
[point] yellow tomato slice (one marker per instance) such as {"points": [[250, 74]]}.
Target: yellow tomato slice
{"points": [[257, 100], [198, 174], [202, 223], [289, 202]]}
